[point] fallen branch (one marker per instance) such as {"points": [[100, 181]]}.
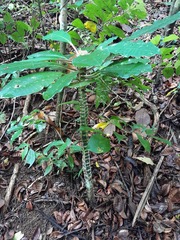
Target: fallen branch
{"points": [[10, 188]]}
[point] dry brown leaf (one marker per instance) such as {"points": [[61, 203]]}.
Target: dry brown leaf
{"points": [[29, 206], [57, 234], [142, 117], [109, 130], [102, 183], [118, 203], [58, 216], [123, 234]]}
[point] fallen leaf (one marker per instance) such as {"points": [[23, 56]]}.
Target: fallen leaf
{"points": [[109, 129], [101, 125], [142, 117], [145, 160], [91, 26]]}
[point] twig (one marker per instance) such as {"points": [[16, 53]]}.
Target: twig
{"points": [[26, 105], [10, 188], [148, 190]]}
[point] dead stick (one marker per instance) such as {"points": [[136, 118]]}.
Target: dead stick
{"points": [[10, 188]]}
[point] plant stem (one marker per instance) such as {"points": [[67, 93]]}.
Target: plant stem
{"points": [[63, 26], [86, 166]]}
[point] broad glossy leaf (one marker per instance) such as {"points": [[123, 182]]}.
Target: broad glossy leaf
{"points": [[134, 49], [29, 84], [60, 36], [106, 43], [47, 55], [58, 86], [99, 144], [93, 59], [23, 65], [125, 70], [156, 25]]}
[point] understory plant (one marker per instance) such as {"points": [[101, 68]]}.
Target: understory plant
{"points": [[103, 63]]}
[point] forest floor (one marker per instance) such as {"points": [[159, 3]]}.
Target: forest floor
{"points": [[55, 206]]}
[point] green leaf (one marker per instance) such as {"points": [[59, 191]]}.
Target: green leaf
{"points": [[126, 69], [165, 141], [78, 23], [75, 148], [117, 31], [34, 23], [145, 143], [71, 162], [119, 136], [60, 36], [168, 72], [16, 135], [155, 40], [60, 163], [17, 37], [155, 26], [3, 38], [62, 148], [24, 26], [134, 49], [24, 152], [124, 4], [177, 67], [23, 65], [171, 37], [99, 144], [31, 157], [29, 84], [59, 84], [93, 59], [51, 145], [106, 43], [166, 52], [48, 170], [47, 55], [7, 18]]}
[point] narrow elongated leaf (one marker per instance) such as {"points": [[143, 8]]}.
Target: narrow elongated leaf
{"points": [[134, 49], [145, 143], [29, 84], [14, 67], [93, 59], [156, 25], [47, 55], [58, 86], [60, 36]]}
